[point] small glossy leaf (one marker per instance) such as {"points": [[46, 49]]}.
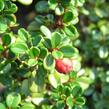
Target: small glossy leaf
{"points": [[43, 52], [25, 87], [42, 6], [49, 62], [77, 90], [28, 106], [71, 31], [68, 16], [56, 39], [32, 62], [36, 39], [34, 52], [19, 48], [33, 26], [37, 101], [59, 10], [23, 34], [52, 4], [57, 54], [11, 9], [69, 101], [68, 51], [46, 31], [33, 86], [47, 43], [80, 101], [12, 100], [3, 25], [103, 52], [6, 38], [27, 2], [54, 79]]}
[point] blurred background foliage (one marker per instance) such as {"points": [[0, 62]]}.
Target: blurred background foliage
{"points": [[93, 44]]}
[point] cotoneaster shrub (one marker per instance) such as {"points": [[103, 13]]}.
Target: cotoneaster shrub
{"points": [[31, 76]]}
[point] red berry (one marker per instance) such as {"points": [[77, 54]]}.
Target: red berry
{"points": [[63, 65]]}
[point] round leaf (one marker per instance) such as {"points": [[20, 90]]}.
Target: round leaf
{"points": [[6, 38], [19, 48], [34, 52], [42, 6], [80, 101], [56, 39], [46, 31], [12, 100], [57, 54], [49, 62], [68, 16], [59, 10], [68, 51], [69, 101]]}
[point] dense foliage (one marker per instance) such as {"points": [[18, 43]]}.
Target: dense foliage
{"points": [[30, 73], [59, 59]]}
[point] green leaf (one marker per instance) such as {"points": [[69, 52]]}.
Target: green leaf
{"points": [[1, 48], [56, 39], [57, 54], [43, 52], [68, 51], [65, 3], [28, 106], [27, 2], [103, 52], [6, 38], [45, 31], [36, 39], [33, 86], [76, 91], [11, 20], [52, 4], [59, 10], [1, 5], [68, 16], [34, 52], [69, 101], [12, 8], [49, 62], [33, 26], [47, 43], [37, 101], [12, 100], [2, 106], [32, 62], [40, 77], [3, 25], [71, 31], [23, 34], [19, 48], [59, 105], [80, 101], [54, 79], [25, 87], [42, 6]]}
